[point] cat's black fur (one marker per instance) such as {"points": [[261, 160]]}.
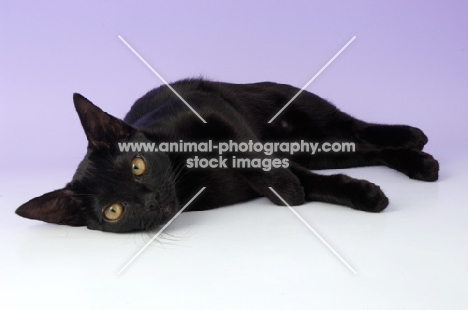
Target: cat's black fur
{"points": [[238, 112]]}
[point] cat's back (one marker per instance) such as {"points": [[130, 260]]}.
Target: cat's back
{"points": [[243, 97]]}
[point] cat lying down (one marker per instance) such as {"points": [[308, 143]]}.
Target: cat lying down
{"points": [[120, 191]]}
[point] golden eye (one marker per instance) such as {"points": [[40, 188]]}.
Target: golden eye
{"points": [[113, 212], [138, 166]]}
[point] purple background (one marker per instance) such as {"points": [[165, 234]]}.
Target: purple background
{"points": [[408, 64]]}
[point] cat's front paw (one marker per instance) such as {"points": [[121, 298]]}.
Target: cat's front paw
{"points": [[288, 186], [366, 196]]}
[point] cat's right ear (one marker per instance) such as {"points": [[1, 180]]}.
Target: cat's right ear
{"points": [[61, 206], [101, 128]]}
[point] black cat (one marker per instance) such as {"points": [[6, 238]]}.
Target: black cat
{"points": [[126, 191]]}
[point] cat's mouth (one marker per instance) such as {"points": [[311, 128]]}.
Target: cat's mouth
{"points": [[164, 211]]}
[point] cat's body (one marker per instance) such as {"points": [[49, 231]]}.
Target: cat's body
{"points": [[237, 112]]}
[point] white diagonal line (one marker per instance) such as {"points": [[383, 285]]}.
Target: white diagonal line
{"points": [[159, 232], [313, 78], [313, 230], [161, 78]]}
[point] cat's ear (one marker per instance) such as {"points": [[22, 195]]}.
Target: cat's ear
{"points": [[61, 206], [101, 129]]}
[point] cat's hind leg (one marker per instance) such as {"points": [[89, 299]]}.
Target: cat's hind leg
{"points": [[392, 136], [315, 118], [414, 163]]}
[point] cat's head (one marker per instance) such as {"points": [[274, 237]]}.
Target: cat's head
{"points": [[111, 190]]}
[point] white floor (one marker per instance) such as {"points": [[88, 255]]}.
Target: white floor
{"points": [[250, 256]]}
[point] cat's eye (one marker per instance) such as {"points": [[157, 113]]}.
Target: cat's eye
{"points": [[138, 166], [113, 212]]}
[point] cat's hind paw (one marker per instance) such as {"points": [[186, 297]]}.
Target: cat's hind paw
{"points": [[415, 164], [418, 140], [425, 168]]}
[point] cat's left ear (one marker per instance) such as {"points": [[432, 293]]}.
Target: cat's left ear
{"points": [[101, 129], [61, 206]]}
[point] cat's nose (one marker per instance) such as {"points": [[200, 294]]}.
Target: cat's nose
{"points": [[152, 201]]}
